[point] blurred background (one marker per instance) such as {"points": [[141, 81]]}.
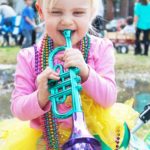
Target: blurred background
{"points": [[113, 8], [132, 71]]}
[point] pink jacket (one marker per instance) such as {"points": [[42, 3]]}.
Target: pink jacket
{"points": [[100, 84]]}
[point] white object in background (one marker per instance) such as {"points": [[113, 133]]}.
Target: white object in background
{"points": [[101, 8]]}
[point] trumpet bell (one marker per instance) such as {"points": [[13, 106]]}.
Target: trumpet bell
{"points": [[80, 138], [84, 143]]}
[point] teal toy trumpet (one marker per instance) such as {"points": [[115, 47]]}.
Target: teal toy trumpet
{"points": [[69, 85]]}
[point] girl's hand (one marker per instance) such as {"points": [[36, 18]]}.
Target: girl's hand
{"points": [[42, 82], [74, 58]]}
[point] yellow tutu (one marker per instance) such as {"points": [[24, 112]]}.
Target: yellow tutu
{"points": [[17, 135], [105, 123]]}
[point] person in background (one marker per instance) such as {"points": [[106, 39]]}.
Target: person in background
{"points": [[28, 23], [142, 21], [8, 14], [130, 27], [36, 17]]}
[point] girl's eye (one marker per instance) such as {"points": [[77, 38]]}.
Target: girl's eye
{"points": [[56, 12], [78, 13]]}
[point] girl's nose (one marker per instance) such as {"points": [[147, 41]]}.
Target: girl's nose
{"points": [[66, 21]]}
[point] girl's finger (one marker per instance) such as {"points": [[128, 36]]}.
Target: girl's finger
{"points": [[71, 63], [55, 73], [69, 52], [74, 58], [53, 77], [48, 71]]}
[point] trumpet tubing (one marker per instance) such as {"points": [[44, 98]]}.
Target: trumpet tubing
{"points": [[69, 84]]}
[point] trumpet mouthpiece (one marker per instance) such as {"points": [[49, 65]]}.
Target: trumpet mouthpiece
{"points": [[67, 33]]}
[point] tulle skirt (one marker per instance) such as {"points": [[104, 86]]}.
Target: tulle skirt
{"points": [[105, 124]]}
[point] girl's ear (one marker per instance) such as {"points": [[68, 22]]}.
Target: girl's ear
{"points": [[40, 12]]}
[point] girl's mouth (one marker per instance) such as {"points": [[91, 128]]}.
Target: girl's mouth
{"points": [[61, 31]]}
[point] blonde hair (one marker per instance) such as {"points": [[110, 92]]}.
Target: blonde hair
{"points": [[95, 7], [50, 3], [46, 3]]}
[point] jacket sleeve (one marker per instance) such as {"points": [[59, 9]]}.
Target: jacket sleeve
{"points": [[24, 102], [101, 85]]}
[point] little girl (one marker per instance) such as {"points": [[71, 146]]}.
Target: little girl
{"points": [[30, 96]]}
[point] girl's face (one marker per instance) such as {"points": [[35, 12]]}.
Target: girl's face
{"points": [[67, 14]]}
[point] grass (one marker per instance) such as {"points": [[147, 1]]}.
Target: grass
{"points": [[127, 62], [131, 63], [8, 55]]}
